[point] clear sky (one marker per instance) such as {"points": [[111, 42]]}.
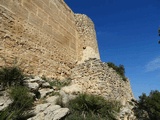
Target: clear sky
{"points": [[127, 34]]}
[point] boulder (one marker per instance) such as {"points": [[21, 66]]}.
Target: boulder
{"points": [[49, 112], [70, 92]]}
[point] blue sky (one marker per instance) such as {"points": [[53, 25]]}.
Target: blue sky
{"points": [[127, 34]]}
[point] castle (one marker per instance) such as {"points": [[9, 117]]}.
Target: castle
{"points": [[45, 37]]}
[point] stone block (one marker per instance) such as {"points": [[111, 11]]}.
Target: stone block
{"points": [[19, 11], [35, 20], [42, 15], [30, 6], [39, 3], [54, 24], [47, 28]]}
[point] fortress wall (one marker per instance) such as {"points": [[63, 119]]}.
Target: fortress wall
{"points": [[87, 41], [41, 34]]}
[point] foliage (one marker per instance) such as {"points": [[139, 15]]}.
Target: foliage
{"points": [[10, 76], [59, 83], [151, 104], [22, 101], [119, 69], [90, 107]]}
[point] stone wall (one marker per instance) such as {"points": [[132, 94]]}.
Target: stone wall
{"points": [[95, 77], [41, 34], [87, 43]]}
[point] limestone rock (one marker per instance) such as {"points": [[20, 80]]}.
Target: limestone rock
{"points": [[50, 112], [69, 92], [46, 85], [5, 101], [44, 92], [52, 99], [32, 86]]}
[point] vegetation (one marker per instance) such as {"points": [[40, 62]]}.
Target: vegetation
{"points": [[91, 107], [10, 76], [119, 69], [12, 79], [150, 104], [59, 83]]}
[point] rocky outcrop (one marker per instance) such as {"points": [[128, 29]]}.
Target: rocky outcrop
{"points": [[45, 104], [47, 110]]}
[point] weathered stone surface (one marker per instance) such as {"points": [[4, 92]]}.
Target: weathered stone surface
{"points": [[44, 92], [69, 92], [96, 77], [87, 44], [52, 100], [43, 46], [49, 112], [5, 101], [46, 85], [32, 86]]}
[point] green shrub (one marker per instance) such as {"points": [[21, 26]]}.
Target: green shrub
{"points": [[89, 107], [21, 97], [119, 69], [22, 101], [11, 76]]}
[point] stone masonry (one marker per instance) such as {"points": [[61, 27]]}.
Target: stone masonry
{"points": [[42, 36], [87, 43], [95, 77]]}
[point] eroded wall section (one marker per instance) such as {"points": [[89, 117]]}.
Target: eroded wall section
{"points": [[41, 34], [87, 41]]}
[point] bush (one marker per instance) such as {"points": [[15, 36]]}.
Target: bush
{"points": [[22, 101], [21, 97], [119, 69], [150, 104], [10, 76], [92, 107]]}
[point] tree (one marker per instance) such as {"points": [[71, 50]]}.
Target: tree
{"points": [[151, 104]]}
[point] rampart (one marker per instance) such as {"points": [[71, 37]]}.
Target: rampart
{"points": [[44, 36]]}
